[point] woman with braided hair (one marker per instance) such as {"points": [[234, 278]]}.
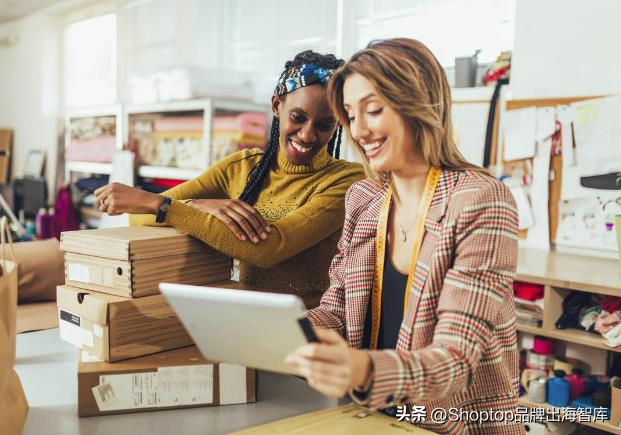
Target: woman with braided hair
{"points": [[279, 211]]}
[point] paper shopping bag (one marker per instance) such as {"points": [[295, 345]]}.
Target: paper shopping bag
{"points": [[13, 404]]}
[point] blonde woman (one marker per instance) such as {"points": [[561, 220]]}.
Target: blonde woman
{"points": [[420, 308]]}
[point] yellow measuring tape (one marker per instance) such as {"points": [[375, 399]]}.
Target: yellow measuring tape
{"points": [[433, 177]]}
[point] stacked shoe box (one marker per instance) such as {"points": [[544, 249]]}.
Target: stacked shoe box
{"points": [[179, 378], [110, 308]]}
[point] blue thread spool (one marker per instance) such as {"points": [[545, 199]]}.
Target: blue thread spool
{"points": [[559, 389]]}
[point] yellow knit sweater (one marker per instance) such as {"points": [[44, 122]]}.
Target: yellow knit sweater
{"points": [[303, 203]]}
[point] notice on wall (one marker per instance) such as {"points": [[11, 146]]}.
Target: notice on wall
{"points": [[598, 135]]}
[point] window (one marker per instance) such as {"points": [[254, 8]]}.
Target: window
{"points": [[450, 28], [90, 59], [264, 34]]}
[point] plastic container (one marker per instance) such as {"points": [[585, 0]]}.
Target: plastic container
{"points": [[45, 224], [578, 383], [559, 389]]}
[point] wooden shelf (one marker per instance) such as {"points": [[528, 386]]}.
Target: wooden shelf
{"points": [[576, 272], [598, 425], [570, 336]]}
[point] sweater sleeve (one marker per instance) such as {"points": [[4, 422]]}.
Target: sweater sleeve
{"points": [[211, 184], [474, 289], [304, 227]]}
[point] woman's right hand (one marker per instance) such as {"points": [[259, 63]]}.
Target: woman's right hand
{"points": [[243, 220]]}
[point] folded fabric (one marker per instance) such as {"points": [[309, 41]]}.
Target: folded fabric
{"points": [[588, 316], [605, 321], [572, 304], [613, 336], [528, 291], [611, 303]]}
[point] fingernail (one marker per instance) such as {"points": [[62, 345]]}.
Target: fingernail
{"points": [[255, 239], [243, 237], [264, 236], [268, 228]]}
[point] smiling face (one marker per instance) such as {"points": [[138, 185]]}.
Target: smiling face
{"points": [[306, 123], [383, 136]]}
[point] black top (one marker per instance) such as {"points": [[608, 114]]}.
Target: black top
{"points": [[393, 292]]}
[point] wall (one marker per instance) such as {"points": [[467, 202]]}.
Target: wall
{"points": [[566, 48], [30, 87], [562, 48]]}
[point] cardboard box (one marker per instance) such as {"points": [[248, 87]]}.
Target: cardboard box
{"points": [[132, 261], [343, 419], [179, 378], [114, 328], [615, 401]]}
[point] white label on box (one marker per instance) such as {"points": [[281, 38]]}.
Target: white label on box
{"points": [[232, 384], [88, 358], [131, 391], [98, 330], [105, 397], [87, 338], [185, 385], [78, 272], [70, 329]]}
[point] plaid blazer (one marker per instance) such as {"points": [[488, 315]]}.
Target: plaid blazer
{"points": [[461, 349]]}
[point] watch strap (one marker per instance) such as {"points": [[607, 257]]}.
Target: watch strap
{"points": [[161, 213]]}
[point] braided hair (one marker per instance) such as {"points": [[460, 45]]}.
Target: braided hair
{"points": [[254, 184]]}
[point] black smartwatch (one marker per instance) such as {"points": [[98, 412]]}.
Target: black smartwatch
{"points": [[161, 213]]}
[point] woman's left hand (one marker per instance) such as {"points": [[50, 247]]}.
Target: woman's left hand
{"points": [[330, 366]]}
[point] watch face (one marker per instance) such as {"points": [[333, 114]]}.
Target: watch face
{"points": [[164, 207]]}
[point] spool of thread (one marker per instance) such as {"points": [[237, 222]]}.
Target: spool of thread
{"points": [[529, 374], [543, 346], [578, 383], [538, 389], [559, 390], [538, 361]]}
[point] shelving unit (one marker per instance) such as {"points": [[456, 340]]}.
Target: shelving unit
{"points": [[89, 167], [561, 273], [207, 108], [122, 113], [168, 172], [94, 112], [607, 427]]}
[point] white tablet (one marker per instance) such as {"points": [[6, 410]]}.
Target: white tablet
{"points": [[254, 329]]}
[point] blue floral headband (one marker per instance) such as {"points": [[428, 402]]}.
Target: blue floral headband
{"points": [[297, 77]]}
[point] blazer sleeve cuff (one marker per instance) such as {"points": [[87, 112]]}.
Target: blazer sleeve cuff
{"points": [[388, 382]]}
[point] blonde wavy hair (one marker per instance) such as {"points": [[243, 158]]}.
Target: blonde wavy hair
{"points": [[410, 79]]}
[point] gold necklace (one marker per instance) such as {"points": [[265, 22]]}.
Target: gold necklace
{"points": [[404, 231]]}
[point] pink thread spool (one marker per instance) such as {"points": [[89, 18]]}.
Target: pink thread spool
{"points": [[543, 346]]}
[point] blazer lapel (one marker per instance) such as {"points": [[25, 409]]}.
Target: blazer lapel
{"points": [[360, 270]]}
